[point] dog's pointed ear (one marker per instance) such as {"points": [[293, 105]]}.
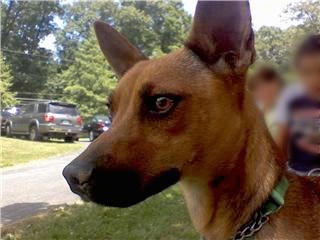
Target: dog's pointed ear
{"points": [[120, 54], [222, 33]]}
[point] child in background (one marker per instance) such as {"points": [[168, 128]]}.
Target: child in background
{"points": [[298, 112], [266, 85]]}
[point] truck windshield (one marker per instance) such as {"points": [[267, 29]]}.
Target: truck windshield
{"points": [[103, 118], [63, 109]]}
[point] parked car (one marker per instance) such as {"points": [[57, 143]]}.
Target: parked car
{"points": [[4, 117], [12, 110], [96, 125], [46, 119]]}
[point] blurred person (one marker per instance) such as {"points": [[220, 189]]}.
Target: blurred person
{"points": [[298, 112], [266, 85]]}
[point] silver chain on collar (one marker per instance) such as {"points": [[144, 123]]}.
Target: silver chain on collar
{"points": [[261, 217], [251, 227]]}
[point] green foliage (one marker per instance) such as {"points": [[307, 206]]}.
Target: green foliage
{"points": [[276, 45], [270, 45], [80, 74], [148, 25], [306, 14], [135, 25], [89, 80], [7, 97], [169, 22], [23, 25], [78, 19], [162, 217], [155, 27]]}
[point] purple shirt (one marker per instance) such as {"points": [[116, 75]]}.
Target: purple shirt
{"points": [[301, 114]]}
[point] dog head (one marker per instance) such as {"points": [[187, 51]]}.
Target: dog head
{"points": [[168, 114]]}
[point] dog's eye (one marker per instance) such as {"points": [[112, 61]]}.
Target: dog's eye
{"points": [[162, 103]]}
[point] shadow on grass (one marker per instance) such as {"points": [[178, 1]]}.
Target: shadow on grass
{"points": [[51, 140], [163, 217], [18, 211]]}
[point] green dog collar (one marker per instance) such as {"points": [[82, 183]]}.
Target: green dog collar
{"points": [[261, 217]]}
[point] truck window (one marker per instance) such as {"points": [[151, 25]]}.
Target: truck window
{"points": [[29, 108], [42, 108], [63, 109]]}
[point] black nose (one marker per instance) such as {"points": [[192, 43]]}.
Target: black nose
{"points": [[111, 187], [116, 187], [78, 177]]}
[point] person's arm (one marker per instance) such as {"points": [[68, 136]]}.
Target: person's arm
{"points": [[282, 139], [281, 136]]}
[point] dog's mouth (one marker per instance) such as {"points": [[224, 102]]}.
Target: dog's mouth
{"points": [[124, 188]]}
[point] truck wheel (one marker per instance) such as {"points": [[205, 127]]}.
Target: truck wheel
{"points": [[34, 134], [68, 139], [8, 131]]}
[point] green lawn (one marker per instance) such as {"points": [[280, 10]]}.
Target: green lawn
{"points": [[163, 217], [15, 151]]}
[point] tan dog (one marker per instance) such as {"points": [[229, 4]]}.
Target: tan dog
{"points": [[187, 117]]}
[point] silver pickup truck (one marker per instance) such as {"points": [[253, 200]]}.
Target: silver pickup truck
{"points": [[46, 120]]}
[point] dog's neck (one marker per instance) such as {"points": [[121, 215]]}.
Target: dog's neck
{"points": [[221, 202]]}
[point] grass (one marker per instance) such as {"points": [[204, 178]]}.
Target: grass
{"points": [[15, 151], [163, 217]]}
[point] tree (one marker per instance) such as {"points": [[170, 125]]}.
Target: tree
{"points": [[149, 25], [7, 97], [23, 25], [170, 22], [136, 26], [277, 45], [306, 14], [78, 19], [270, 45], [88, 81], [85, 77]]}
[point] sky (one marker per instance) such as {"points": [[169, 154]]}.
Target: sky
{"points": [[264, 13]]}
